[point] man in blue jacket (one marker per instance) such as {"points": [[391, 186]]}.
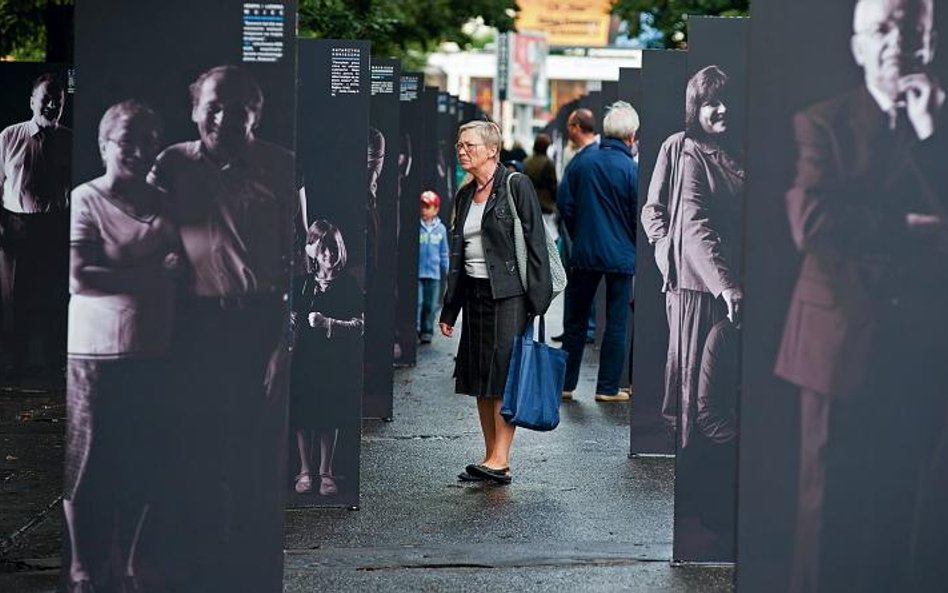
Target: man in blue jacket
{"points": [[597, 201]]}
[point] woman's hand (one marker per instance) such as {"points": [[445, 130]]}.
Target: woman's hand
{"points": [[446, 330], [734, 299]]}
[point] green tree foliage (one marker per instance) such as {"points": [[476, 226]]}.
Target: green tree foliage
{"points": [[402, 28], [23, 25], [397, 28], [668, 16]]}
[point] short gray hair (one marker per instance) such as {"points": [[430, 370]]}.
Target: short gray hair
{"points": [[621, 121], [487, 131]]}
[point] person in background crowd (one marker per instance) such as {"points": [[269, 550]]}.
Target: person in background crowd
{"points": [[123, 275], [432, 263], [581, 131], [542, 172], [34, 231], [597, 200], [484, 282], [516, 153]]}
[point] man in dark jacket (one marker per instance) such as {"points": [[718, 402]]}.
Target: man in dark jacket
{"points": [[865, 335], [597, 201]]}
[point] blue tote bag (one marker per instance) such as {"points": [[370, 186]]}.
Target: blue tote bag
{"points": [[534, 382]]}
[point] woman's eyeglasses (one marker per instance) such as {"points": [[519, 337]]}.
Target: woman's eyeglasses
{"points": [[467, 146]]}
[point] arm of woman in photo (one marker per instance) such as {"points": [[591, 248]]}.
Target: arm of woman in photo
{"points": [[335, 326], [539, 280], [346, 319], [87, 277], [655, 212]]}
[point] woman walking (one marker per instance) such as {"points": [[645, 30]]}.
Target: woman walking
{"points": [[484, 282]]}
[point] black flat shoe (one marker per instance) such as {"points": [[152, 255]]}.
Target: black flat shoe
{"points": [[464, 476], [501, 476]]}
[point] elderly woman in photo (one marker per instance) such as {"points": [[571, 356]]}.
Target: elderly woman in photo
{"points": [[124, 262], [484, 282], [323, 396]]}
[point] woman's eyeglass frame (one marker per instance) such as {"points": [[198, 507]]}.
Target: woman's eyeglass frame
{"points": [[467, 146]]}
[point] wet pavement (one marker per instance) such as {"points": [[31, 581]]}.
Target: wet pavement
{"points": [[32, 430], [579, 515]]}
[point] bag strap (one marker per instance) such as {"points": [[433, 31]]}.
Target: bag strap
{"points": [[541, 330], [513, 207], [521, 266]]}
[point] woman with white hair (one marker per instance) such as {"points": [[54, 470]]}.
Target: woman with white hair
{"points": [[484, 282]]}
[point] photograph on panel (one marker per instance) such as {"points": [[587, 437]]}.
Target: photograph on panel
{"points": [[35, 165], [694, 218], [340, 226], [853, 192], [178, 348]]}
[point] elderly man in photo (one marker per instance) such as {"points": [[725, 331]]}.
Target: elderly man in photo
{"points": [[867, 331], [233, 198], [34, 230], [597, 202]]}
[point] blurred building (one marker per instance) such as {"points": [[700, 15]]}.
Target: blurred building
{"points": [[470, 76]]}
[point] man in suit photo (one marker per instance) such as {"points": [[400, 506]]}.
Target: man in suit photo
{"points": [[867, 329]]}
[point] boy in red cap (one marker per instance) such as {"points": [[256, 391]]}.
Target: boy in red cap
{"points": [[432, 263]]}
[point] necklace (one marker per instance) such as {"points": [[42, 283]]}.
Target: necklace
{"points": [[486, 183]]}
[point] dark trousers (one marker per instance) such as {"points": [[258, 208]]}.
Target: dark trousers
{"points": [[580, 292], [232, 436], [34, 274], [863, 459], [429, 293]]}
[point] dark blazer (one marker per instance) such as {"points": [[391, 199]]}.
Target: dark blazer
{"points": [[497, 233], [597, 201], [707, 245], [856, 180]]}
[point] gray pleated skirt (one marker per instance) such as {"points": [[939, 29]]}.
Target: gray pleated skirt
{"points": [[488, 330]]}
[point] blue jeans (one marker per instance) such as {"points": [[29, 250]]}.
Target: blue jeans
{"points": [[580, 292], [429, 291]]}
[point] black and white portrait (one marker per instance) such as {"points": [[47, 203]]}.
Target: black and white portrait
{"points": [[35, 164], [337, 247], [848, 383], [179, 331], [694, 219], [329, 325]]}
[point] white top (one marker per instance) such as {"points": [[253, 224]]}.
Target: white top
{"points": [[137, 322], [475, 264]]}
